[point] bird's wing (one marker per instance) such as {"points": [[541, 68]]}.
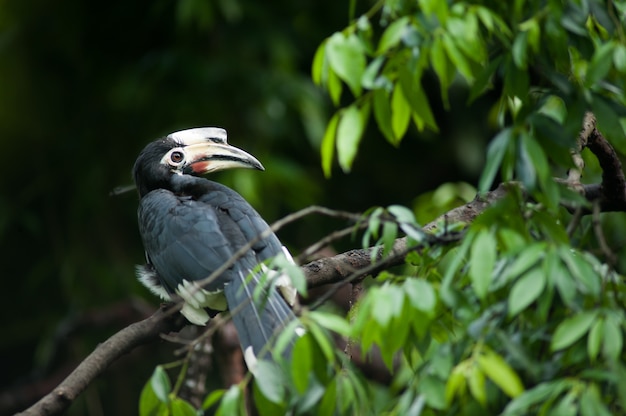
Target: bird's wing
{"points": [[249, 222], [186, 240], [183, 239]]}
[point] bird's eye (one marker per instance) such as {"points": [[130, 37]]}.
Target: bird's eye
{"points": [[176, 157]]}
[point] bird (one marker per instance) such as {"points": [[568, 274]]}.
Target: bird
{"points": [[191, 227]]}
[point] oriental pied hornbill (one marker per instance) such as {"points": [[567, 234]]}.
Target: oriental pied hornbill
{"points": [[191, 226]]}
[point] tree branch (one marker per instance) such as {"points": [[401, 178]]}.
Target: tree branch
{"points": [[102, 357]]}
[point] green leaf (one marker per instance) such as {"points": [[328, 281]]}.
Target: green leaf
{"points": [[180, 407], [502, 375], [323, 341], [416, 97], [434, 391], [213, 398], [456, 382], [317, 68], [591, 402], [612, 341], [421, 295], [328, 405], [572, 329], [533, 32], [482, 260], [495, 153], [619, 58], [477, 385], [334, 86], [232, 402], [600, 63], [328, 145], [439, 61], [466, 36], [581, 270], [594, 339], [160, 383], [435, 7], [390, 232], [149, 403], [526, 259], [371, 79], [538, 394], [349, 133], [333, 322], [392, 35], [388, 304], [400, 114], [270, 380], [382, 114], [526, 290], [346, 57], [519, 50], [458, 59], [302, 363]]}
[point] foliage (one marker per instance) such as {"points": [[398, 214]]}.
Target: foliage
{"points": [[522, 316]]}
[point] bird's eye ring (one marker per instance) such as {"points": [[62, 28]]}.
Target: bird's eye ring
{"points": [[177, 157]]}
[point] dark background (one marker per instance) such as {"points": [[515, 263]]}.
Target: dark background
{"points": [[85, 85]]}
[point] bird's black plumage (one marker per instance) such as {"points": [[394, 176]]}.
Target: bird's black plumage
{"points": [[191, 226]]}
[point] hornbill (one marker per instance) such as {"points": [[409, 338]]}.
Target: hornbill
{"points": [[191, 226]]}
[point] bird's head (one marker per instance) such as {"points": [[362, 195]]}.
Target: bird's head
{"points": [[188, 152]]}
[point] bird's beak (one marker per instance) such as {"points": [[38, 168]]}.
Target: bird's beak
{"points": [[210, 157]]}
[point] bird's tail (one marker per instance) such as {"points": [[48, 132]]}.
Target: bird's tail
{"points": [[260, 316]]}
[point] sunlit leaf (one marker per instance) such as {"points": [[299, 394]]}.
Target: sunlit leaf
{"points": [[502, 375], [328, 145], [477, 385], [349, 133], [456, 382], [347, 59], [317, 68]]}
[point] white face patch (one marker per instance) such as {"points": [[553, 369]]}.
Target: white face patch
{"points": [[199, 135]]}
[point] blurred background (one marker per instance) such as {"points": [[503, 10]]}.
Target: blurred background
{"points": [[85, 85]]}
